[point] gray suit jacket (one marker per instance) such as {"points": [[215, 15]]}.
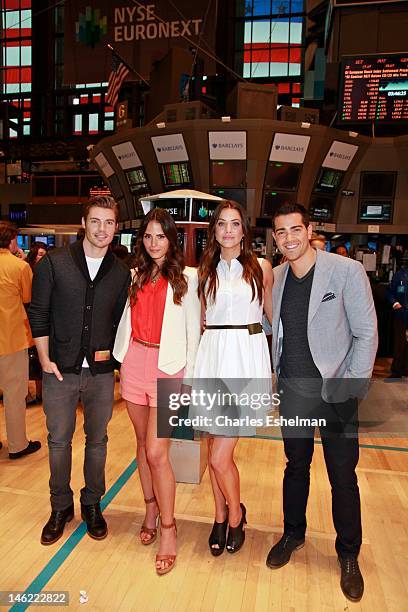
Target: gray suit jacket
{"points": [[342, 324]]}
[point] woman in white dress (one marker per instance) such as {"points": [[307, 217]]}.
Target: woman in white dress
{"points": [[234, 289]]}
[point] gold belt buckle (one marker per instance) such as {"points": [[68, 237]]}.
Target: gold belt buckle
{"points": [[254, 328]]}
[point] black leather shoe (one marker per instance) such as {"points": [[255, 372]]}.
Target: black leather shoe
{"points": [[351, 582], [96, 524], [280, 554], [236, 535], [54, 529], [32, 447]]}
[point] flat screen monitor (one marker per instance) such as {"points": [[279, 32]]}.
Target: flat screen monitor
{"points": [[22, 242], [374, 88], [175, 175], [43, 239], [321, 208], [137, 180], [282, 176], [203, 210], [126, 240], [238, 195], [377, 184], [328, 181], [228, 173], [177, 207], [379, 211], [273, 199]]}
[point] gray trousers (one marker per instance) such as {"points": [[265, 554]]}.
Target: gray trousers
{"points": [[60, 406]]}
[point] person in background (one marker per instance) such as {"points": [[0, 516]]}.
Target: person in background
{"points": [[15, 338], [157, 338], [340, 249], [318, 241], [325, 339], [79, 293], [35, 254], [397, 295], [121, 251]]}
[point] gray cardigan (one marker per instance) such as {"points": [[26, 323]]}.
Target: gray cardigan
{"points": [[79, 315]]}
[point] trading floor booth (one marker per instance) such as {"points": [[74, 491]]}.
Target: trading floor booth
{"points": [[191, 210]]}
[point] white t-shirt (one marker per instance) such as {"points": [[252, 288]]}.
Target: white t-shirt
{"points": [[93, 264]]}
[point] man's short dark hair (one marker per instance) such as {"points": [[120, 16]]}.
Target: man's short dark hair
{"points": [[102, 202], [289, 209], [8, 231]]}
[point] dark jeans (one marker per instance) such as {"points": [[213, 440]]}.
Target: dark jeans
{"points": [[60, 405], [399, 365], [341, 451]]}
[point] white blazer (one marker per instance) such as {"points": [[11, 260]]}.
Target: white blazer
{"points": [[180, 333]]}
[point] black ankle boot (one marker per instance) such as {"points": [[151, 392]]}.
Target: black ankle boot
{"points": [[218, 536], [351, 582], [236, 535], [54, 529], [96, 524]]}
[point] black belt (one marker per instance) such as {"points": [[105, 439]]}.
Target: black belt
{"points": [[253, 328]]}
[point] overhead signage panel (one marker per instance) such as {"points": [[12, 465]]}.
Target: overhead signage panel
{"points": [[340, 155], [170, 148], [104, 165], [227, 145], [290, 148], [127, 156]]}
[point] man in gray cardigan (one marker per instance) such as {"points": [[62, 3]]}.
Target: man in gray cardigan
{"points": [[324, 345], [78, 296]]}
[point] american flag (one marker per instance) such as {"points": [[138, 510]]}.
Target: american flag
{"points": [[118, 74]]}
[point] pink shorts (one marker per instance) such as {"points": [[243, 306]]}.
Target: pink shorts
{"points": [[139, 374]]}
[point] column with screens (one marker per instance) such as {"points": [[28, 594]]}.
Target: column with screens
{"points": [[228, 164], [377, 192], [288, 152], [174, 165], [329, 180], [135, 174]]}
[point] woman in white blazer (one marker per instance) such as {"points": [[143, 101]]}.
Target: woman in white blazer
{"points": [[157, 338]]}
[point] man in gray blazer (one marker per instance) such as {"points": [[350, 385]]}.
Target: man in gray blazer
{"points": [[324, 345]]}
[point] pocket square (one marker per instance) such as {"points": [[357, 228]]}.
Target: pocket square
{"points": [[328, 296]]}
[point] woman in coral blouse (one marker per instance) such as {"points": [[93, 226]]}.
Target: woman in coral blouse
{"points": [[157, 339]]}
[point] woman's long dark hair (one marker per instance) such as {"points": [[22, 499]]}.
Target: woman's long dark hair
{"points": [[173, 266], [207, 270]]}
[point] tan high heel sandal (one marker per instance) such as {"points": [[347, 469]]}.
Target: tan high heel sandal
{"points": [[170, 559], [149, 531]]}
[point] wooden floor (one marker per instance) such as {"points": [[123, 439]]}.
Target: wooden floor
{"points": [[118, 573]]}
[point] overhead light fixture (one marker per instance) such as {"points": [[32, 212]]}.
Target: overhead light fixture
{"points": [[353, 134], [305, 124], [161, 125], [226, 119]]}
